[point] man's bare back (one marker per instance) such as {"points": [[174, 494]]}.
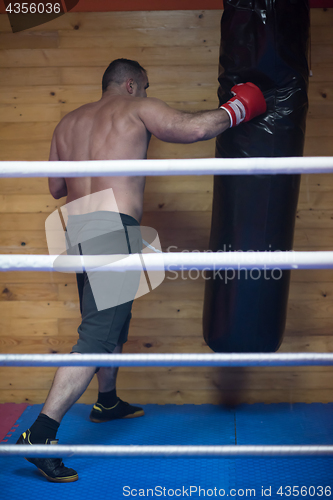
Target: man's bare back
{"points": [[109, 129]]}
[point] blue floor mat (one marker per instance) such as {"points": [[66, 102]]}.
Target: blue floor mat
{"points": [[184, 478]]}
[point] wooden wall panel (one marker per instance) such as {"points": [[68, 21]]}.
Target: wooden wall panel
{"points": [[50, 70], [108, 21]]}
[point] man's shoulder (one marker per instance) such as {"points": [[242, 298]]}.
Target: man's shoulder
{"points": [[148, 103], [75, 113], [81, 109]]}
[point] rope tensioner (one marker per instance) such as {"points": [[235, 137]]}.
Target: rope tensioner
{"points": [[197, 166], [166, 451]]}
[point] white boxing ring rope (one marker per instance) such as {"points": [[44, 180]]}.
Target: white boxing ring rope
{"points": [[169, 261], [200, 260], [165, 451], [215, 359], [197, 166]]}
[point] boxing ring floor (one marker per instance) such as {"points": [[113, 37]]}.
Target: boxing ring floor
{"points": [[117, 478]]}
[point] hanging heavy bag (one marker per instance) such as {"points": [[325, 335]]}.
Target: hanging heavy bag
{"points": [[264, 42]]}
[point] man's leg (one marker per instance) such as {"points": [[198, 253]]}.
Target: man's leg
{"points": [[109, 406], [68, 385], [107, 375]]}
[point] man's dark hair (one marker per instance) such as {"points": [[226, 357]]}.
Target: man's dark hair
{"points": [[121, 69]]}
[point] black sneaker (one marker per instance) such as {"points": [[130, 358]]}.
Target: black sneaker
{"points": [[120, 410], [52, 468]]}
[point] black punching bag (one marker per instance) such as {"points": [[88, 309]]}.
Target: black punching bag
{"points": [[264, 42]]}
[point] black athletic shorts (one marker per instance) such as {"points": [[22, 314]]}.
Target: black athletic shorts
{"points": [[106, 297]]}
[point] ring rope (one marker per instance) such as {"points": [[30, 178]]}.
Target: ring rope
{"points": [[299, 260], [166, 451], [145, 360], [169, 261], [196, 166]]}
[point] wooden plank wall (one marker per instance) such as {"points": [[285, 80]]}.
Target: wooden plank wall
{"points": [[52, 69]]}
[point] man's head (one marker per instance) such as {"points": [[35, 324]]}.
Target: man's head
{"points": [[127, 75]]}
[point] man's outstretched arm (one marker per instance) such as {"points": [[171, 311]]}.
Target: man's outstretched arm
{"points": [[171, 125]]}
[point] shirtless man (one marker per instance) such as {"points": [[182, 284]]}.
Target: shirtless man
{"points": [[118, 126]]}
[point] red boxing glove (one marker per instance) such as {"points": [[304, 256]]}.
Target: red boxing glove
{"points": [[248, 103]]}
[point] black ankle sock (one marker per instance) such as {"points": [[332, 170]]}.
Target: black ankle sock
{"points": [[43, 428], [107, 399]]}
